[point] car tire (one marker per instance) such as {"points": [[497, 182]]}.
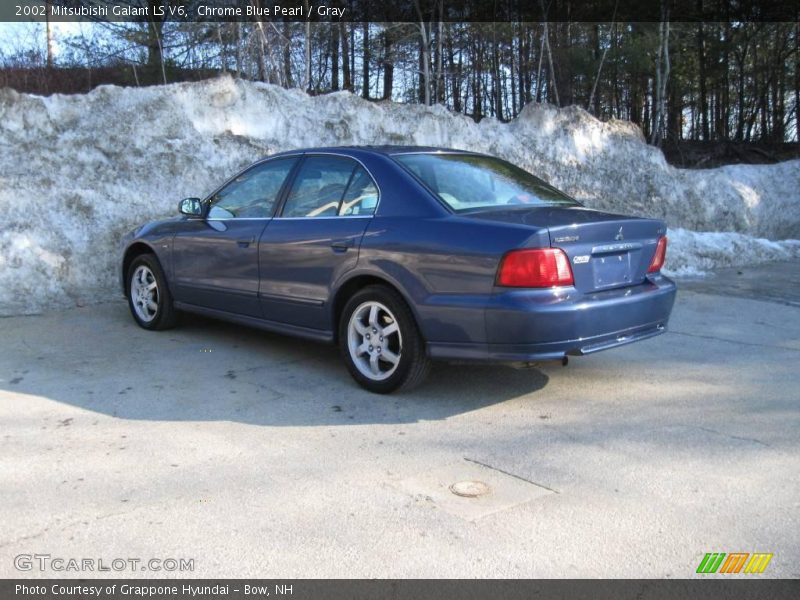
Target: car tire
{"points": [[380, 342], [148, 294]]}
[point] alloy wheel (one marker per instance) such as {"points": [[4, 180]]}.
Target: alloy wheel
{"points": [[374, 340], [144, 293]]}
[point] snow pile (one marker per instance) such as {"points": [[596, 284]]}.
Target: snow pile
{"points": [[77, 172], [692, 253]]}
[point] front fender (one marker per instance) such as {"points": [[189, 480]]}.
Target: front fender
{"points": [[153, 238]]}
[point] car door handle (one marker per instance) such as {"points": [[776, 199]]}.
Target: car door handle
{"points": [[245, 242], [342, 245]]}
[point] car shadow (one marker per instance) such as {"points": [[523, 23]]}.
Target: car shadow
{"points": [[209, 370]]}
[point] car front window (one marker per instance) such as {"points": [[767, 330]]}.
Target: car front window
{"points": [[468, 182], [253, 193]]}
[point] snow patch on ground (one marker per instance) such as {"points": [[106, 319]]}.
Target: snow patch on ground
{"points": [[79, 171]]}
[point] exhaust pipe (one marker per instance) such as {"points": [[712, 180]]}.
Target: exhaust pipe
{"points": [[564, 360]]}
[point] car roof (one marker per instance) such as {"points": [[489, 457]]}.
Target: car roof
{"points": [[386, 149]]}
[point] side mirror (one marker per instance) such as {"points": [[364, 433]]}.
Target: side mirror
{"points": [[191, 207]]}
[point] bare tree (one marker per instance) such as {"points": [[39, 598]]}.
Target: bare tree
{"points": [[365, 60], [307, 69], [602, 57], [49, 34], [347, 79], [424, 56], [662, 75], [546, 35]]}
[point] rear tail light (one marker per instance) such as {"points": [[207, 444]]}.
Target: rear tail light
{"points": [[660, 256], [536, 268]]}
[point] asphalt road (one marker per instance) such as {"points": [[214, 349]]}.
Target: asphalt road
{"points": [[256, 455]]}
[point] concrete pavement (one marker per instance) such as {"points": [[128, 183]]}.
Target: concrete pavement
{"points": [[256, 455]]}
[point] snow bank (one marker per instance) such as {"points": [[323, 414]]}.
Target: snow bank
{"points": [[76, 172], [692, 253]]}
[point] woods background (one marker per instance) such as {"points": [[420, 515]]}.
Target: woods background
{"points": [[706, 92]]}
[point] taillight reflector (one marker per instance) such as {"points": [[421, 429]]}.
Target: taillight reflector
{"points": [[659, 257], [536, 267]]}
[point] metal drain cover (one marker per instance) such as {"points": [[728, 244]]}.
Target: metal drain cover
{"points": [[496, 490], [470, 488]]}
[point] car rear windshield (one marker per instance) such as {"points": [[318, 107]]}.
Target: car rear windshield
{"points": [[468, 182]]}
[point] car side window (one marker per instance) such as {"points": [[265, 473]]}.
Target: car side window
{"points": [[330, 186], [361, 197], [253, 193]]}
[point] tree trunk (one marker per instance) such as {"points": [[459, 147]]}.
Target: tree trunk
{"points": [[592, 97], [155, 49], [347, 78], [223, 58], [455, 71], [366, 58], [353, 57], [539, 67], [424, 57], [550, 64], [797, 81], [740, 60], [522, 64], [424, 65], [439, 75], [514, 69], [616, 101], [497, 91], [262, 49], [333, 29], [287, 54], [477, 92], [565, 67], [49, 34], [726, 99], [674, 130], [701, 61], [388, 64], [238, 49], [307, 65], [662, 76]]}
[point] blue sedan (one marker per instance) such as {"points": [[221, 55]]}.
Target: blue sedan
{"points": [[401, 256]]}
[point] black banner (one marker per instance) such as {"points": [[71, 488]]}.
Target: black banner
{"points": [[404, 11], [409, 589]]}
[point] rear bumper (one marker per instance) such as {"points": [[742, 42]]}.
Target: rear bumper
{"points": [[534, 325]]}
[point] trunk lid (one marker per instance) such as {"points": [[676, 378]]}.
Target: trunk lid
{"points": [[605, 250]]}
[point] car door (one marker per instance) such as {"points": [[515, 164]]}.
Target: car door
{"points": [[314, 239], [215, 259]]}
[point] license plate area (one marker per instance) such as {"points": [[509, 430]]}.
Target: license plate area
{"points": [[611, 270]]}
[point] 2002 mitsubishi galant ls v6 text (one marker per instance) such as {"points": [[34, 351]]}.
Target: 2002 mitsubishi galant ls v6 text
{"points": [[403, 255]]}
